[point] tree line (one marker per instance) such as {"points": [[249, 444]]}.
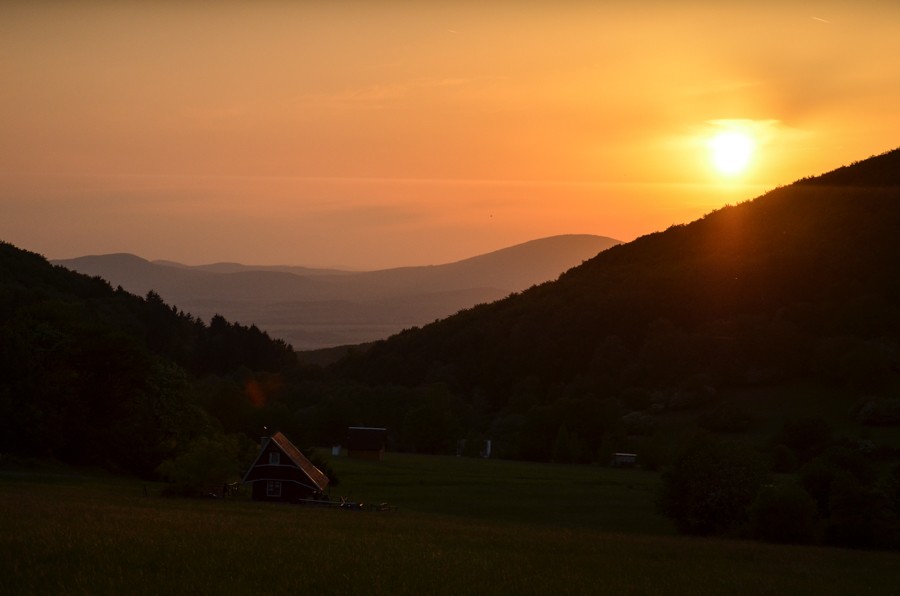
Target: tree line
{"points": [[95, 375]]}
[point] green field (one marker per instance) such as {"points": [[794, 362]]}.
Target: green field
{"points": [[459, 526]]}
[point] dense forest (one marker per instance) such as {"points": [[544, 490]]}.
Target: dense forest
{"points": [[799, 286], [92, 375]]}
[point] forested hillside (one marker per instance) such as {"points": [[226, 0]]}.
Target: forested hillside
{"points": [[800, 286], [92, 375]]}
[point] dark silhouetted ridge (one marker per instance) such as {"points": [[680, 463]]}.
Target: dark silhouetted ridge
{"points": [[817, 260], [880, 170]]}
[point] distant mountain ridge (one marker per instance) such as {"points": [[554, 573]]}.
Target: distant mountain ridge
{"points": [[314, 308], [228, 267]]}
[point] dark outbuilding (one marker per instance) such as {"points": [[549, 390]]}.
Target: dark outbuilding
{"points": [[281, 473]]}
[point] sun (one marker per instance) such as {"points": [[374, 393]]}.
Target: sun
{"points": [[731, 151]]}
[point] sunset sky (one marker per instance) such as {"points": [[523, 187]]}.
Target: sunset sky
{"points": [[373, 134]]}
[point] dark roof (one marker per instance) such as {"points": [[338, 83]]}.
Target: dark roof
{"points": [[364, 438], [314, 474]]}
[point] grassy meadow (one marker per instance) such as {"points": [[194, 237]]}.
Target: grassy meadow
{"points": [[459, 526]]}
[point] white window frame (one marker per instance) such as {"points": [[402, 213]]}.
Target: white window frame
{"points": [[274, 458], [273, 488]]}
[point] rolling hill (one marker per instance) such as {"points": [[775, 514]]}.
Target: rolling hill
{"points": [[795, 291], [96, 376], [315, 308]]}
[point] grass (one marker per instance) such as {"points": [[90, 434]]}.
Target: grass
{"points": [[460, 527], [529, 493]]}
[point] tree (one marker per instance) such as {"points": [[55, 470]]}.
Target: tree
{"points": [[566, 448], [890, 486], [432, 426], [783, 513], [711, 485], [807, 437], [856, 508], [208, 461], [819, 475], [860, 516]]}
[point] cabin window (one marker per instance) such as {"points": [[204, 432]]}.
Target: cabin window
{"points": [[273, 488], [275, 458]]}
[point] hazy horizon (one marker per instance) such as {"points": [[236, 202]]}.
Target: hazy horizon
{"points": [[336, 267], [383, 134]]}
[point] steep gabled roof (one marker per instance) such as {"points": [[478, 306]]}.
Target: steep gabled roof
{"points": [[315, 474], [316, 477]]}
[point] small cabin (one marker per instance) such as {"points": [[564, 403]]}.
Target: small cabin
{"points": [[281, 473], [365, 442]]}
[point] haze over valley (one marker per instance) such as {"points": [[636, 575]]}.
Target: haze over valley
{"points": [[316, 308]]}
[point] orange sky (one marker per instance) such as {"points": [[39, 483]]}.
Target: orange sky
{"points": [[372, 134]]}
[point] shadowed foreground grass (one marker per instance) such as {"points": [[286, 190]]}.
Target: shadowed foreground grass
{"points": [[597, 498], [74, 535]]}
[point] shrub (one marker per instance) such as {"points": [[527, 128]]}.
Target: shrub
{"points": [[806, 436], [819, 474], [783, 513], [880, 412], [635, 399], [207, 462], [890, 487], [860, 515], [319, 460], [858, 512], [710, 487], [784, 460], [727, 418]]}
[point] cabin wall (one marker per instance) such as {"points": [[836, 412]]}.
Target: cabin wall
{"points": [[282, 472], [291, 492]]}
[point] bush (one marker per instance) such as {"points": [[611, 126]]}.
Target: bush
{"points": [[635, 399], [807, 437], [880, 412], [727, 418], [317, 459], [783, 513], [890, 488], [860, 515], [207, 462], [784, 460], [710, 487], [819, 474], [858, 511]]}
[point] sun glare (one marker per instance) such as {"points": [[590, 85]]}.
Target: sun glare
{"points": [[731, 151]]}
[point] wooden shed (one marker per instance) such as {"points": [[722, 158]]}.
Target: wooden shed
{"points": [[281, 473], [366, 442]]}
